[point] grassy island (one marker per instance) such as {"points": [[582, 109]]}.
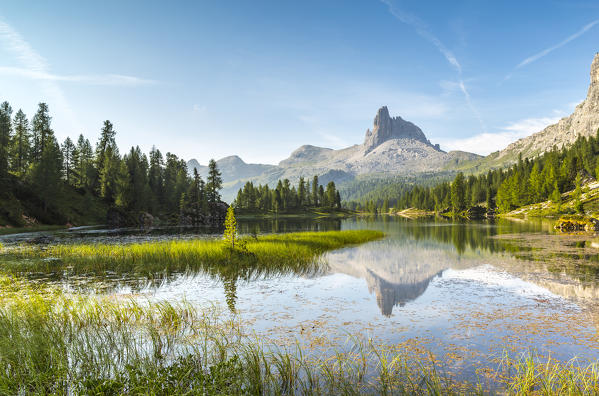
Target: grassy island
{"points": [[292, 251]]}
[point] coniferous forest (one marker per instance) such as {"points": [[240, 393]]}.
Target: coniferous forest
{"points": [[526, 182], [286, 198], [42, 180]]}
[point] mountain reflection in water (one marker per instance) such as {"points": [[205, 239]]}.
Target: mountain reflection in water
{"points": [[396, 270]]}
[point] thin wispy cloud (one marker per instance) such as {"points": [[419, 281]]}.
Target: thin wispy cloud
{"points": [[104, 79], [423, 31], [30, 60], [486, 143], [546, 51], [35, 67]]}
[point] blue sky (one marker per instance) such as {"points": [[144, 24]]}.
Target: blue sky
{"points": [[258, 79]]}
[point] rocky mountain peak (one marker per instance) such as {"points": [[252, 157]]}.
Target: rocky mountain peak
{"points": [[584, 121], [231, 160], [595, 70], [385, 128]]}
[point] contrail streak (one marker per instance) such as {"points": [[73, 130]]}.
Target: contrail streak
{"points": [[423, 31]]}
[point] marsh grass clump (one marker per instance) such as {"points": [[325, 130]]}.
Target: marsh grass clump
{"points": [[293, 252], [56, 343], [53, 343], [531, 374]]}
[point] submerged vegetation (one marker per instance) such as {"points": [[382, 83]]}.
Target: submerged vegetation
{"points": [[51, 342], [294, 252], [60, 344]]}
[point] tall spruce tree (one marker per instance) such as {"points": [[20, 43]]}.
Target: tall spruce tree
{"points": [[111, 166], [458, 201], [106, 142], [21, 144], [68, 158], [46, 174], [107, 163], [215, 182], [5, 137], [84, 171], [315, 201], [156, 179], [40, 127], [330, 195], [301, 192]]}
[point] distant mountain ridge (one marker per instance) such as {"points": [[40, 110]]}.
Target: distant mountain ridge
{"points": [[231, 168], [393, 146]]}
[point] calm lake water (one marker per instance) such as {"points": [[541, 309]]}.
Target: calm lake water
{"points": [[467, 292]]}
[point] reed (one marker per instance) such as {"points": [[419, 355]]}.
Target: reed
{"points": [[531, 374], [55, 343]]}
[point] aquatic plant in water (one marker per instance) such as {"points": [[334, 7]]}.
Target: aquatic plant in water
{"points": [[51, 342], [294, 252]]}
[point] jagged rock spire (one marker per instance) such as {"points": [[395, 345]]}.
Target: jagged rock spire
{"points": [[386, 128]]}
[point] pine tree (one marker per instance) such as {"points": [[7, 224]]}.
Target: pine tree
{"points": [[40, 126], [215, 182], [111, 166], [68, 154], [123, 191], [277, 204], [21, 144], [195, 197], [457, 194], [321, 196], [137, 167], [156, 179], [46, 174], [105, 143], [330, 195], [536, 184], [578, 194], [176, 182], [556, 196], [489, 199], [315, 196], [5, 137], [301, 192], [84, 171], [385, 206], [230, 227]]}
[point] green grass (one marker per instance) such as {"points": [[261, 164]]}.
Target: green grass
{"points": [[530, 374], [55, 343], [52, 343], [294, 252]]}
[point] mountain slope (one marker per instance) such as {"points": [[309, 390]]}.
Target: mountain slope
{"points": [[584, 121], [232, 168], [394, 146]]}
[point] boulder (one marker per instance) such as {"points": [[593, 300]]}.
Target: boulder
{"points": [[145, 220]]}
